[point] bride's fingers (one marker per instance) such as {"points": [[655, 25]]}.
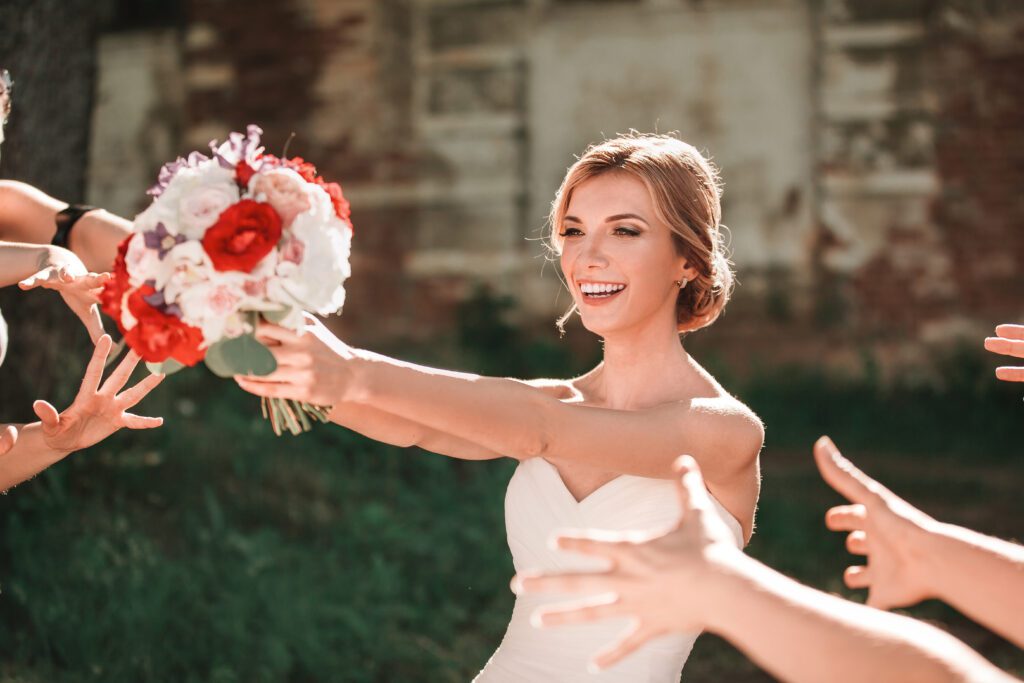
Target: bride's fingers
{"points": [[857, 543], [563, 583], [1010, 374], [275, 332], [593, 609], [266, 389], [629, 644], [846, 517], [1010, 331], [857, 576]]}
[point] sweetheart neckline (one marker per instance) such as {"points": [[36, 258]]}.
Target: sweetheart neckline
{"points": [[580, 501]]}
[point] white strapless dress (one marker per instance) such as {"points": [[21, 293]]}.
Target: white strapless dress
{"points": [[536, 504]]}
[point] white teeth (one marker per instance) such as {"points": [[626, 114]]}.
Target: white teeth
{"points": [[600, 288]]}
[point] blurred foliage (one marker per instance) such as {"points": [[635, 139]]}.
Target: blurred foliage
{"points": [[209, 550]]}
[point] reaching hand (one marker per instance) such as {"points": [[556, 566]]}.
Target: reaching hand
{"points": [[8, 436], [658, 579], [98, 411], [1009, 342], [883, 527], [311, 367], [80, 289]]}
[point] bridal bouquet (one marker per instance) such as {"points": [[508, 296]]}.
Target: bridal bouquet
{"points": [[227, 239]]}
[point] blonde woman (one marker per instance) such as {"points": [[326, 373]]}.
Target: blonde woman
{"points": [[636, 226]]}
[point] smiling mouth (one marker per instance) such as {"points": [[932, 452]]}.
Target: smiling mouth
{"points": [[599, 291]]}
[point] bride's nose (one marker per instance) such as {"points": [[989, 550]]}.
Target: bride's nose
{"points": [[593, 254]]}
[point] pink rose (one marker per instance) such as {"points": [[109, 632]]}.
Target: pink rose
{"points": [[284, 191], [293, 250], [200, 208]]}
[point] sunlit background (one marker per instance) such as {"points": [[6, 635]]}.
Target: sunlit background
{"points": [[873, 159]]}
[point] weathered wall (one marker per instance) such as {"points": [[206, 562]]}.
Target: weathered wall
{"points": [[871, 151]]}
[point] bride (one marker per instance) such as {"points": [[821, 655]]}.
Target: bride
{"points": [[636, 226]]}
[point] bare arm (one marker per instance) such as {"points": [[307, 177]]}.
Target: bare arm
{"points": [[912, 557], [29, 456], [27, 215], [511, 417], [693, 578], [981, 576], [49, 267], [397, 431], [99, 410]]}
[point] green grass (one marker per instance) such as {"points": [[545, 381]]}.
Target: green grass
{"points": [[210, 550]]}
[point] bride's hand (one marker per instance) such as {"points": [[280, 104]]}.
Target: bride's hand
{"points": [[98, 410], [63, 272], [1009, 342], [312, 367], [647, 570]]}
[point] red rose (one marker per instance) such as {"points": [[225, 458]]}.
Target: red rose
{"points": [[243, 234], [243, 173], [341, 206], [158, 336], [115, 288]]}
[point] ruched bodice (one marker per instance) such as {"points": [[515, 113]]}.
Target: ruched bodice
{"points": [[538, 503]]}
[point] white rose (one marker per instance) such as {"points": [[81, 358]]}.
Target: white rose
{"points": [[316, 283]]}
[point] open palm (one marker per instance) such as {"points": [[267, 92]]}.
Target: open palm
{"points": [[98, 411], [79, 288], [883, 527]]}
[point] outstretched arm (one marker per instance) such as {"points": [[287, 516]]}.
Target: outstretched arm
{"points": [[694, 578], [509, 416], [1009, 341], [912, 557], [27, 215], [99, 410], [49, 267]]}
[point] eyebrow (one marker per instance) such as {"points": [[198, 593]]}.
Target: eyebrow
{"points": [[611, 219]]}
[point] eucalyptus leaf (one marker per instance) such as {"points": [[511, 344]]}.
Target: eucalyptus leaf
{"points": [[242, 355], [168, 367], [277, 317]]}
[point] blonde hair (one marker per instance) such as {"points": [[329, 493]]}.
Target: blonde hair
{"points": [[687, 191]]}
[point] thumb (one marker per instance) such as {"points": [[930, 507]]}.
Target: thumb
{"points": [[841, 474], [689, 482], [8, 436], [47, 414]]}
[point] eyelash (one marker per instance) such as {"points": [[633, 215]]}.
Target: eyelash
{"points": [[574, 232]]}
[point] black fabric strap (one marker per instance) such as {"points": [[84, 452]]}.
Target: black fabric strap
{"points": [[66, 219]]}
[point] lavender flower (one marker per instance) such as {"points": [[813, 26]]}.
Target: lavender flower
{"points": [[161, 240]]}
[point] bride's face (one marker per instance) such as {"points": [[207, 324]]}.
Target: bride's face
{"points": [[618, 258]]}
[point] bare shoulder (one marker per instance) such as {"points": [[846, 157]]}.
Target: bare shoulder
{"points": [[732, 422]]}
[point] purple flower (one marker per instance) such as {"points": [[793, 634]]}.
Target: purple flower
{"points": [[169, 170], [238, 147], [157, 301], [161, 240]]}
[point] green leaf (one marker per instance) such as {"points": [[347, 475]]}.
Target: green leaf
{"points": [[277, 317], [242, 355], [168, 367]]}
